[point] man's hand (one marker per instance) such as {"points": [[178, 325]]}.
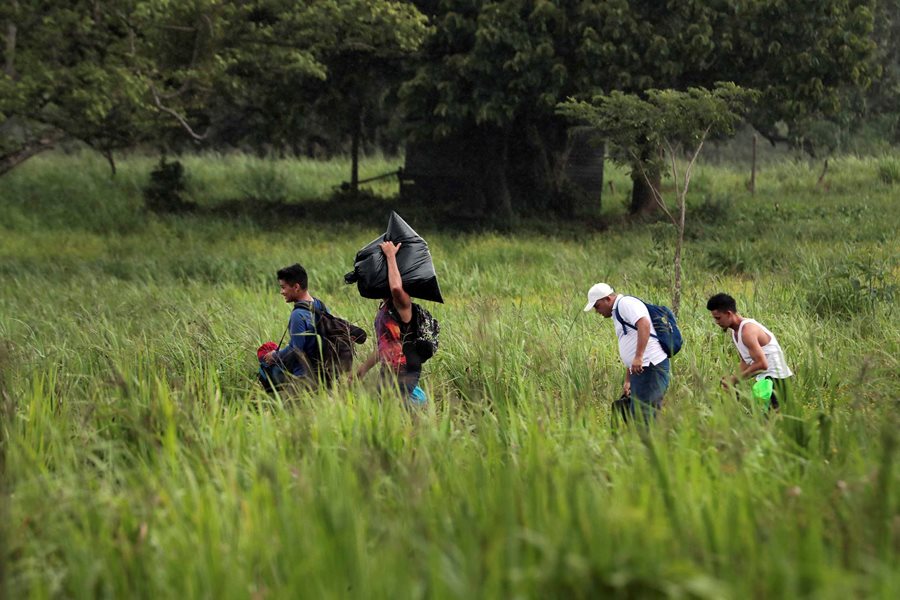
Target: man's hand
{"points": [[637, 365], [269, 358], [729, 381], [390, 248], [626, 387]]}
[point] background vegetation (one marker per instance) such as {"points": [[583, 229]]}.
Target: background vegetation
{"points": [[140, 458], [326, 78], [160, 159]]}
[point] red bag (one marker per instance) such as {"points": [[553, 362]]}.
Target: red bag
{"points": [[265, 349]]}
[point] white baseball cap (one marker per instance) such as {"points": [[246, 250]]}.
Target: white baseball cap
{"points": [[597, 291]]}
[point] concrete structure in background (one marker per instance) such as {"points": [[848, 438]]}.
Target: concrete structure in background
{"points": [[448, 171]]}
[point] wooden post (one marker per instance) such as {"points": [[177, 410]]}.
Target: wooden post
{"points": [[753, 169], [821, 182], [354, 151]]}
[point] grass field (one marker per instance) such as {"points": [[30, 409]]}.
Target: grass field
{"points": [[139, 459]]}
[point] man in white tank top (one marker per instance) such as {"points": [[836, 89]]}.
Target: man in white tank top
{"points": [[761, 354]]}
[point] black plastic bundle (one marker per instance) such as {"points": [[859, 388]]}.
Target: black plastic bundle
{"points": [[413, 260]]}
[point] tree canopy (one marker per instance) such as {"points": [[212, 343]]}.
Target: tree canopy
{"points": [[501, 66], [112, 75], [280, 73]]}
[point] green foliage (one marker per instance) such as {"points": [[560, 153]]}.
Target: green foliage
{"points": [[313, 70], [108, 76], [113, 76], [739, 257], [889, 170], [663, 121], [852, 286]]}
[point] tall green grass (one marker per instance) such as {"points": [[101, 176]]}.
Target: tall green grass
{"points": [[141, 460]]}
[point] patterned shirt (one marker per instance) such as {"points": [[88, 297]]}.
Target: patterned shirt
{"points": [[390, 334]]}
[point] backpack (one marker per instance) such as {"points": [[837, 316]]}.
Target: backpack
{"points": [[336, 337], [667, 333], [427, 331], [422, 339]]}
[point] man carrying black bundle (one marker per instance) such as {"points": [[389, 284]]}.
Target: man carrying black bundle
{"points": [[395, 326]]}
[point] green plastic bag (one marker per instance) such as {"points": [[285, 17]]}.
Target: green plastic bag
{"points": [[762, 390]]}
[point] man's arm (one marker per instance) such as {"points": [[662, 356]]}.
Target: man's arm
{"points": [[643, 333], [750, 337], [626, 387], [364, 368], [402, 301]]}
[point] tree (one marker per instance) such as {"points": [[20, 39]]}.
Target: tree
{"points": [[114, 74], [101, 73], [491, 74], [882, 101], [312, 69], [493, 70], [669, 123]]}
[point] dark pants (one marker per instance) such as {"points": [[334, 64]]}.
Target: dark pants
{"points": [[404, 382], [780, 392], [648, 388], [271, 377], [274, 378]]}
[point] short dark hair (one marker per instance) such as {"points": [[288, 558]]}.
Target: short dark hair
{"points": [[722, 302], [294, 274]]}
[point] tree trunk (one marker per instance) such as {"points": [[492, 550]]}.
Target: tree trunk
{"points": [[10, 67], [354, 151], [494, 178], [679, 244], [536, 164], [111, 160], [642, 200]]}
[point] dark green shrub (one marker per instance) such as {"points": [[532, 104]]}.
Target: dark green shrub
{"points": [[167, 185]]}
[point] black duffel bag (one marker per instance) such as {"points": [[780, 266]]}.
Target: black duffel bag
{"points": [[413, 260]]}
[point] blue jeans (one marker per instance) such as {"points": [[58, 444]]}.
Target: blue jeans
{"points": [[648, 388]]}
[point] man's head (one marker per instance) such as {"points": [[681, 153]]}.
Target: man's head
{"points": [[601, 298], [723, 309], [293, 281]]}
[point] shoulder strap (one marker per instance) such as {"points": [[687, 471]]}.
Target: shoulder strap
{"points": [[622, 321], [627, 324]]}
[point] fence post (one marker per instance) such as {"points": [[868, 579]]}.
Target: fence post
{"points": [[753, 169]]}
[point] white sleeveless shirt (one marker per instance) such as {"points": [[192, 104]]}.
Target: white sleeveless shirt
{"points": [[778, 368]]}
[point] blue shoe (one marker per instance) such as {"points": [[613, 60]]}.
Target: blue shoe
{"points": [[417, 396]]}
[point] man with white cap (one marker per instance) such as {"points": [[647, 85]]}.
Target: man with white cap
{"points": [[647, 372]]}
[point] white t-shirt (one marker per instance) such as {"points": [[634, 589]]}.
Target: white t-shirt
{"points": [[632, 310]]}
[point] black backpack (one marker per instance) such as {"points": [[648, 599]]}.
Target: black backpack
{"points": [[427, 332], [335, 337], [422, 341]]}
